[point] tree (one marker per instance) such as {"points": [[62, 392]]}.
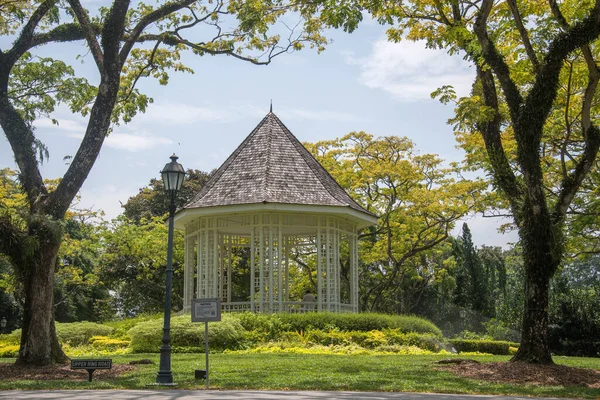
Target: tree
{"points": [[418, 202], [152, 201], [79, 294], [126, 42], [540, 58], [133, 264]]}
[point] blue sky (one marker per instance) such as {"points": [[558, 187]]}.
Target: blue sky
{"points": [[360, 82]]}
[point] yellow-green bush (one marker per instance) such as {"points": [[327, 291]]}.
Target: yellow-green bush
{"points": [[79, 333], [146, 337], [483, 346], [9, 350], [276, 323], [373, 339], [109, 344]]}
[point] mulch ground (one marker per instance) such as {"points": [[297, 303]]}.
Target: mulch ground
{"points": [[526, 374], [11, 372]]}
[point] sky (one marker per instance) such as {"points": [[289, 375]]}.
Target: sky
{"points": [[361, 82]]}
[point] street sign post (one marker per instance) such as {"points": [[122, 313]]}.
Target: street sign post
{"points": [[206, 310]]}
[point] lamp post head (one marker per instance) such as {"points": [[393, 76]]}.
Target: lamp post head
{"points": [[173, 175], [3, 323]]}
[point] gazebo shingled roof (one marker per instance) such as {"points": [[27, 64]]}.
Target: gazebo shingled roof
{"points": [[272, 166], [271, 196]]}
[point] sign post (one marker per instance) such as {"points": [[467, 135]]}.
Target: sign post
{"points": [[206, 310]]}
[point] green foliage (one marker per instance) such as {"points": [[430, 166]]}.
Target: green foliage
{"points": [[354, 350], [373, 339], [152, 200], [418, 200], [122, 326], [8, 350], [78, 333], [482, 346], [133, 265], [146, 337], [274, 324], [108, 344]]}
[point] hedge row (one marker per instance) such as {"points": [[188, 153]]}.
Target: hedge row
{"points": [[75, 333], [374, 339], [146, 337], [275, 324], [483, 346]]}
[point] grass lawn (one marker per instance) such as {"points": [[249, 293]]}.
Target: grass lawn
{"points": [[408, 373]]}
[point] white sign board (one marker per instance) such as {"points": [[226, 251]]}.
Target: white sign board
{"points": [[206, 310]]}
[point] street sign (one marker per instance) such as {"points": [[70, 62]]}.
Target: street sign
{"points": [[206, 310]]}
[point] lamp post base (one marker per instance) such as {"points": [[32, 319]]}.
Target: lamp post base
{"points": [[164, 378]]}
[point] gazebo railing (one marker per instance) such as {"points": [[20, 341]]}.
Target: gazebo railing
{"points": [[286, 306], [295, 307]]}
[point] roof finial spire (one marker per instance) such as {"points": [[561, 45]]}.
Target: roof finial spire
{"points": [[271, 108]]}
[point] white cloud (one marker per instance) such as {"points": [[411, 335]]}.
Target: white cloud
{"points": [[130, 142], [134, 143], [410, 71], [64, 124], [107, 198], [317, 115], [183, 114]]}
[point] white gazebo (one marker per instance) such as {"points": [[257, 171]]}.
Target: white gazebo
{"points": [[272, 199]]}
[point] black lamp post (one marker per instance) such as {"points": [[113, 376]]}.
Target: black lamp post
{"points": [[2, 324], [172, 176]]}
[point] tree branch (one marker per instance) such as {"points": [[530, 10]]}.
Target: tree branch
{"points": [[524, 36], [62, 33], [22, 44], [89, 32], [154, 16], [491, 132], [496, 61], [112, 33], [22, 140]]}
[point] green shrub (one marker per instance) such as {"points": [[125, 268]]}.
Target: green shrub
{"points": [[122, 326], [79, 333], [146, 337], [11, 338], [331, 338], [108, 344], [372, 339], [425, 341], [11, 350], [275, 324], [482, 346]]}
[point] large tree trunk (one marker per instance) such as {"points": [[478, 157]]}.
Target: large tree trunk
{"points": [[542, 254], [39, 343], [534, 341]]}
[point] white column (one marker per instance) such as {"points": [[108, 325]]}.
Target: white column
{"points": [[279, 268], [252, 269], [319, 268], [271, 267], [353, 244], [286, 275], [261, 268], [215, 264], [229, 250]]}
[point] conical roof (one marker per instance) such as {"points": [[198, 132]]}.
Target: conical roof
{"points": [[272, 166]]}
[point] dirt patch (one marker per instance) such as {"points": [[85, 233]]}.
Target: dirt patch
{"points": [[11, 372], [529, 374]]}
